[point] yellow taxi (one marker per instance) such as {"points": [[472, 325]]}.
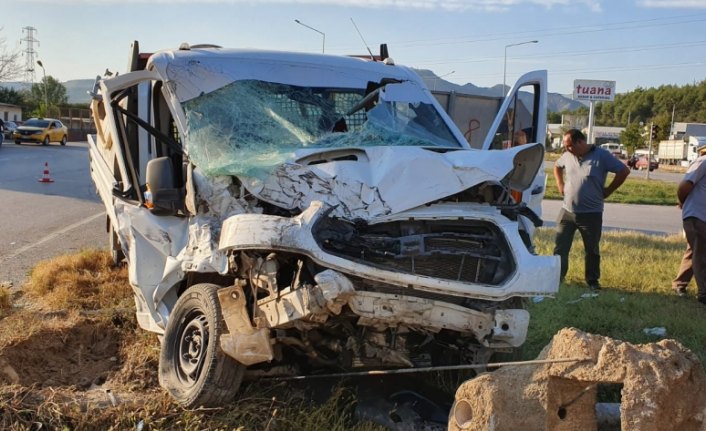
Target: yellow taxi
{"points": [[42, 130]]}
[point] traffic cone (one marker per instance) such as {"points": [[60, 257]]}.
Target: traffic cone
{"points": [[46, 178]]}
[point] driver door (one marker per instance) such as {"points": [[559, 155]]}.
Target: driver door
{"points": [[521, 120]]}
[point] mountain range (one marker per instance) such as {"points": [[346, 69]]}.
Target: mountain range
{"points": [[555, 102], [77, 90]]}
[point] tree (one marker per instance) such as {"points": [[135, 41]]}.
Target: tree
{"points": [[553, 117], [11, 96], [10, 67], [631, 137], [48, 101]]}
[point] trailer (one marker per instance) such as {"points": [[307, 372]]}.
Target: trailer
{"points": [[678, 151]]}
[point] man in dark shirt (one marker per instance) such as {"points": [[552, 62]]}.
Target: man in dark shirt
{"points": [[581, 174]]}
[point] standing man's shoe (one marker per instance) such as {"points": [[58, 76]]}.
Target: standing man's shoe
{"points": [[594, 285]]}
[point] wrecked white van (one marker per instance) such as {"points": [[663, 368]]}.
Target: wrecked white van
{"points": [[290, 213]]}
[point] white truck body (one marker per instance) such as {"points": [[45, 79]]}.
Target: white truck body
{"points": [[615, 148], [326, 207], [678, 151]]}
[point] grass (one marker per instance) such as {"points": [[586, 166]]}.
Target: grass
{"points": [[83, 281], [74, 301], [635, 190], [637, 271]]}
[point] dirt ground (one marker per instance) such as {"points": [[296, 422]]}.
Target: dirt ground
{"points": [[81, 353], [72, 357]]}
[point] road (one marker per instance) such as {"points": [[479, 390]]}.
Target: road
{"points": [[659, 174], [650, 219], [42, 220]]}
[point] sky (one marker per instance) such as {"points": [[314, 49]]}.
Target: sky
{"points": [[637, 43]]}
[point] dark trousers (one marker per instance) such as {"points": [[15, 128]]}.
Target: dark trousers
{"points": [[695, 231], [686, 272], [590, 226]]}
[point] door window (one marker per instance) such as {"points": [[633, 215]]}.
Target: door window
{"points": [[519, 121]]}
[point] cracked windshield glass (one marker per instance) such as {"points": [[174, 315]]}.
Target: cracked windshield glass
{"points": [[250, 126]]}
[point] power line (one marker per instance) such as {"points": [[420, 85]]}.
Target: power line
{"points": [[577, 54], [603, 69], [556, 31]]}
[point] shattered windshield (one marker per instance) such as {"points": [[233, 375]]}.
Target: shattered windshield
{"points": [[248, 127]]}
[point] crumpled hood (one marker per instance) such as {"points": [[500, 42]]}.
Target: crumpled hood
{"points": [[374, 181]]}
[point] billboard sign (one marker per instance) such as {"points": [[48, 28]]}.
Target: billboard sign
{"points": [[585, 89]]}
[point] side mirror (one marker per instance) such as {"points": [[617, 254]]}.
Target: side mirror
{"points": [[167, 198]]}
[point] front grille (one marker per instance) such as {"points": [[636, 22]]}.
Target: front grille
{"points": [[466, 251]]}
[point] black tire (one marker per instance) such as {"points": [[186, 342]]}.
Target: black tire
{"points": [[116, 251], [17, 142], [63, 140], [192, 366], [45, 141]]}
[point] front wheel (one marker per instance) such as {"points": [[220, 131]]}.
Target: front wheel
{"points": [[63, 140], [45, 141], [192, 366]]}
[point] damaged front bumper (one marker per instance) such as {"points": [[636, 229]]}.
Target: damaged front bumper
{"points": [[383, 294]]}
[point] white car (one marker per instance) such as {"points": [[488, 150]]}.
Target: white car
{"points": [[289, 212]]}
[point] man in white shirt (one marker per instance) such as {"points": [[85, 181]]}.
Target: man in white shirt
{"points": [[691, 194]]}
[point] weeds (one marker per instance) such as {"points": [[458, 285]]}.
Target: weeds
{"points": [[83, 319], [636, 276], [637, 271], [5, 298], [83, 281]]}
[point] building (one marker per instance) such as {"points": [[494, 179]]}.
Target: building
{"points": [[555, 135], [604, 134], [684, 130], [10, 112]]}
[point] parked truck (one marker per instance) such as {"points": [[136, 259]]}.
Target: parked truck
{"points": [[680, 151]]}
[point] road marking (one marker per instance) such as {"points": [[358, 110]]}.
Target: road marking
{"points": [[51, 236]]}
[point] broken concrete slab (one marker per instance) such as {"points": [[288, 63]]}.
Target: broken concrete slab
{"points": [[663, 387]]}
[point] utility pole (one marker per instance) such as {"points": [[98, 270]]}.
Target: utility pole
{"points": [[649, 151], [29, 53]]}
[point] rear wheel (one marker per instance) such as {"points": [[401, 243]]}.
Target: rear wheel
{"points": [[63, 140], [17, 142], [192, 366], [46, 141]]}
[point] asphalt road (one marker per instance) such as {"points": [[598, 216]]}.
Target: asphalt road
{"points": [[650, 219], [41, 220], [658, 174]]}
